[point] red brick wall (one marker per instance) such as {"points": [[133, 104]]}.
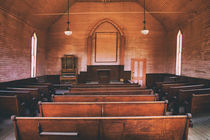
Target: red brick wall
{"points": [[15, 49], [151, 47], [196, 46]]}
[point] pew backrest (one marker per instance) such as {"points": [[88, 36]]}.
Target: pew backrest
{"points": [[165, 87], [44, 89], [112, 92], [102, 128], [102, 98], [185, 95], [103, 85], [159, 84], [33, 91], [105, 89], [172, 92], [25, 96], [102, 109]]}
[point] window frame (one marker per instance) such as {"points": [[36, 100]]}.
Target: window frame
{"points": [[179, 46], [33, 55]]}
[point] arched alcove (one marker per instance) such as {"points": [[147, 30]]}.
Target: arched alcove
{"points": [[106, 43]]}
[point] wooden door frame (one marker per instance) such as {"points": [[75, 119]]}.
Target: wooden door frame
{"points": [[144, 70]]}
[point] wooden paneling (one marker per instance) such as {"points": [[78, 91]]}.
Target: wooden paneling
{"points": [[115, 72], [27, 11], [174, 12], [106, 47]]}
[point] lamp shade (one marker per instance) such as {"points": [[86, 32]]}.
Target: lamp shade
{"points": [[144, 31], [68, 33]]}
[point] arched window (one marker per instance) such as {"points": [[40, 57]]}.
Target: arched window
{"points": [[33, 55], [179, 53]]}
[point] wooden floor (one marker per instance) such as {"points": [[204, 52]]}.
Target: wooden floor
{"points": [[6, 129], [200, 130]]}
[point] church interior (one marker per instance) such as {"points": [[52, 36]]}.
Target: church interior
{"points": [[105, 69]]}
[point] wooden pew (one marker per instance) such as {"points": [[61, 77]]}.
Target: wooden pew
{"points": [[164, 88], [102, 109], [184, 96], [33, 91], [104, 89], [158, 85], [103, 85], [62, 86], [44, 89], [172, 91], [10, 105], [36, 94], [200, 103], [24, 97], [51, 88], [113, 92], [102, 98], [102, 128]]}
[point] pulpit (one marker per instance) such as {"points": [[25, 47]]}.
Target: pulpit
{"points": [[103, 75]]}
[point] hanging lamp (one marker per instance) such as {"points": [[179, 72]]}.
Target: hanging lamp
{"points": [[68, 32], [144, 31]]}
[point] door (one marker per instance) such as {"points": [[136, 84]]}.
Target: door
{"points": [[138, 71]]}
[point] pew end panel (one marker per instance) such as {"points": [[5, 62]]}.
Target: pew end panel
{"points": [[10, 105], [200, 103]]}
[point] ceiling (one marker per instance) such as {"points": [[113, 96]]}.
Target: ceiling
{"points": [[26, 10]]}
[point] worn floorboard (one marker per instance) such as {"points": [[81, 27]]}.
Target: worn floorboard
{"points": [[201, 127]]}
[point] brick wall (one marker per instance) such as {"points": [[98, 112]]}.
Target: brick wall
{"points": [[151, 47], [15, 48], [196, 46]]}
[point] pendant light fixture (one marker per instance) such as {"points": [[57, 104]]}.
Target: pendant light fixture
{"points": [[68, 32], [144, 31]]}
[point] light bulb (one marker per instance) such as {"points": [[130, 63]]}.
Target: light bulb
{"points": [[68, 33], [144, 31]]}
